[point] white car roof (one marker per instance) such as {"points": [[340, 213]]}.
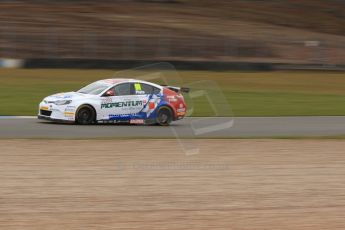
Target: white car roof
{"points": [[115, 81]]}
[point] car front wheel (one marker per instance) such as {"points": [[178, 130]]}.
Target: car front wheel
{"points": [[85, 115]]}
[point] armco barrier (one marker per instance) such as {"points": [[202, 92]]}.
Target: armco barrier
{"points": [[180, 65], [126, 64]]}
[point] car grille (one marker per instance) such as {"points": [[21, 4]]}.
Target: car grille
{"points": [[45, 113]]}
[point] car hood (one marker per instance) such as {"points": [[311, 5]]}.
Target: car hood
{"points": [[67, 96]]}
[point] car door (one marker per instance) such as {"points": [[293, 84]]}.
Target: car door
{"points": [[124, 105], [149, 94], [140, 93]]}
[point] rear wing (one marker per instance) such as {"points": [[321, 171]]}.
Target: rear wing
{"points": [[177, 89]]}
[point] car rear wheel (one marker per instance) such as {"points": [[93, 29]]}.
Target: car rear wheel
{"points": [[85, 115], [164, 116]]}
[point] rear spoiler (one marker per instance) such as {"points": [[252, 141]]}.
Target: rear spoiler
{"points": [[177, 89]]}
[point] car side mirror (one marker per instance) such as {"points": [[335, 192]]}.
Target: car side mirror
{"points": [[109, 93]]}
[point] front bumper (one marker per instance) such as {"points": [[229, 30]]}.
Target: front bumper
{"points": [[41, 117], [52, 112]]}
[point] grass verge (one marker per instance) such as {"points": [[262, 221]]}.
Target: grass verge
{"points": [[248, 94]]}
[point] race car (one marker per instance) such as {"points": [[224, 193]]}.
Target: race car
{"points": [[116, 101]]}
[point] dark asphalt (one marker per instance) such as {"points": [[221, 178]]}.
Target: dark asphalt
{"points": [[187, 128]]}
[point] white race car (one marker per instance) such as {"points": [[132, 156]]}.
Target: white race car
{"points": [[116, 100]]}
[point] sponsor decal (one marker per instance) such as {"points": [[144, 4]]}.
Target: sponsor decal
{"points": [[70, 109], [121, 104], [44, 108], [171, 98], [136, 121], [68, 114], [108, 121], [107, 100], [151, 105], [62, 96], [112, 116], [140, 92]]}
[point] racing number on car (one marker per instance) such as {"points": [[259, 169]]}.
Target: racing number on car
{"points": [[138, 89]]}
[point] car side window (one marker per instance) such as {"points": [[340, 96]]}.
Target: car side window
{"points": [[141, 88], [122, 89], [156, 90]]}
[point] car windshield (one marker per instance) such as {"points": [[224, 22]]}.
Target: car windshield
{"points": [[94, 88]]}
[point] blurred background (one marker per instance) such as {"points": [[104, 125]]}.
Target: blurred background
{"points": [[270, 31], [194, 35]]}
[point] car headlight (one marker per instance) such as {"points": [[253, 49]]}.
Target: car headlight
{"points": [[62, 102]]}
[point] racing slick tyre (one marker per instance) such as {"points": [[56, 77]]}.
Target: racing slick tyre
{"points": [[86, 115], [164, 116]]}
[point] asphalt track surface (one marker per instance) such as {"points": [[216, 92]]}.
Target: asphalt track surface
{"points": [[29, 127]]}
